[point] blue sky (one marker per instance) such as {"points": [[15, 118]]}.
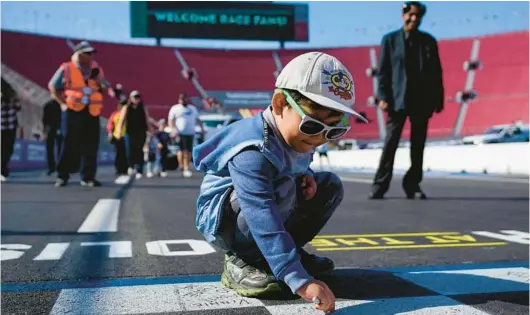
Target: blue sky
{"points": [[332, 24]]}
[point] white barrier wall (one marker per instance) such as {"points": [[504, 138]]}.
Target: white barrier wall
{"points": [[509, 158]]}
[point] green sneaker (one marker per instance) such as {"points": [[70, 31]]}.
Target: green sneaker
{"points": [[249, 280]]}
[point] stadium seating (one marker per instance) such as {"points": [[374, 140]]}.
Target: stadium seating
{"points": [[453, 54], [35, 57], [502, 83], [232, 70], [154, 71]]}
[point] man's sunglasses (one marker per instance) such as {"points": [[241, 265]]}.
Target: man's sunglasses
{"points": [[313, 127]]}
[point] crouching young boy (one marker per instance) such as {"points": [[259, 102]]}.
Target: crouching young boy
{"points": [[259, 200]]}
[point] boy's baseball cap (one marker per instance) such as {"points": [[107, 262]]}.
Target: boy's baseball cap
{"points": [[323, 79]]}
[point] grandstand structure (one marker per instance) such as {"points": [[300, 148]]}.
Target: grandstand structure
{"points": [[501, 83]]}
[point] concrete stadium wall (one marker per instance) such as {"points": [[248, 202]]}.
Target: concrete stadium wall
{"points": [[31, 155], [505, 159], [510, 158]]}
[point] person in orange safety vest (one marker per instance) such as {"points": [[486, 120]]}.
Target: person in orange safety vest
{"points": [[78, 85]]}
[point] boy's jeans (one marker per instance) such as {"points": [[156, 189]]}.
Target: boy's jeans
{"points": [[304, 222], [154, 162]]}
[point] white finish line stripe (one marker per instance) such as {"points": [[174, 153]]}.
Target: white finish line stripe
{"points": [[171, 298], [206, 296], [102, 218], [356, 180], [152, 299], [53, 251]]}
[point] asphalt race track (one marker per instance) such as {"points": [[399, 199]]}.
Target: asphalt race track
{"points": [[132, 248]]}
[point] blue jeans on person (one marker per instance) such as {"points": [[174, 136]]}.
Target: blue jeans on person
{"points": [[154, 162], [303, 223]]}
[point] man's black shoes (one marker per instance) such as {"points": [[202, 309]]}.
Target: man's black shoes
{"points": [[415, 193], [410, 193]]}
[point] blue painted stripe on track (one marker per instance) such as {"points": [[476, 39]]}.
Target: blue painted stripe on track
{"points": [[55, 286], [494, 265]]}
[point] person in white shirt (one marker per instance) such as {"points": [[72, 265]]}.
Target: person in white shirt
{"points": [[182, 119]]}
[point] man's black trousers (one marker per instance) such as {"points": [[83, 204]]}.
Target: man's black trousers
{"points": [[8, 147], [136, 150], [81, 133], [120, 161], [418, 136], [53, 142]]}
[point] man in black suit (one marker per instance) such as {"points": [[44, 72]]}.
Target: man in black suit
{"points": [[409, 85]]}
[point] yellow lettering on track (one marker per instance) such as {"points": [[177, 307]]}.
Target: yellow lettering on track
{"points": [[393, 241], [322, 243], [439, 240], [353, 242]]}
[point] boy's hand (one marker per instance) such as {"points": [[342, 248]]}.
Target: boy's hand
{"points": [[320, 290], [309, 187]]}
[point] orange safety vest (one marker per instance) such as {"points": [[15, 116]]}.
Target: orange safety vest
{"points": [[79, 93]]}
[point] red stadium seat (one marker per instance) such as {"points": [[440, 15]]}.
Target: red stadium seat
{"points": [[502, 83], [232, 70]]}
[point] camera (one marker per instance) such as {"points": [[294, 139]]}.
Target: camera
{"points": [[94, 73]]}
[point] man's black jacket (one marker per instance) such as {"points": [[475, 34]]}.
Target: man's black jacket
{"points": [[392, 75]]}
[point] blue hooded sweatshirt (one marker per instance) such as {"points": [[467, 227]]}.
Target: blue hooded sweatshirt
{"points": [[264, 206]]}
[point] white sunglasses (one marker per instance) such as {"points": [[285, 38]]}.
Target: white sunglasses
{"points": [[312, 127]]}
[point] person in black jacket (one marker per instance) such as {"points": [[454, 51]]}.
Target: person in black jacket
{"points": [[9, 114], [51, 121], [135, 117], [409, 85]]}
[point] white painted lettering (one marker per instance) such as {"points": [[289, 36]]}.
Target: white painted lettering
{"points": [[508, 235], [198, 247], [12, 251], [53, 251], [103, 217], [117, 249]]}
